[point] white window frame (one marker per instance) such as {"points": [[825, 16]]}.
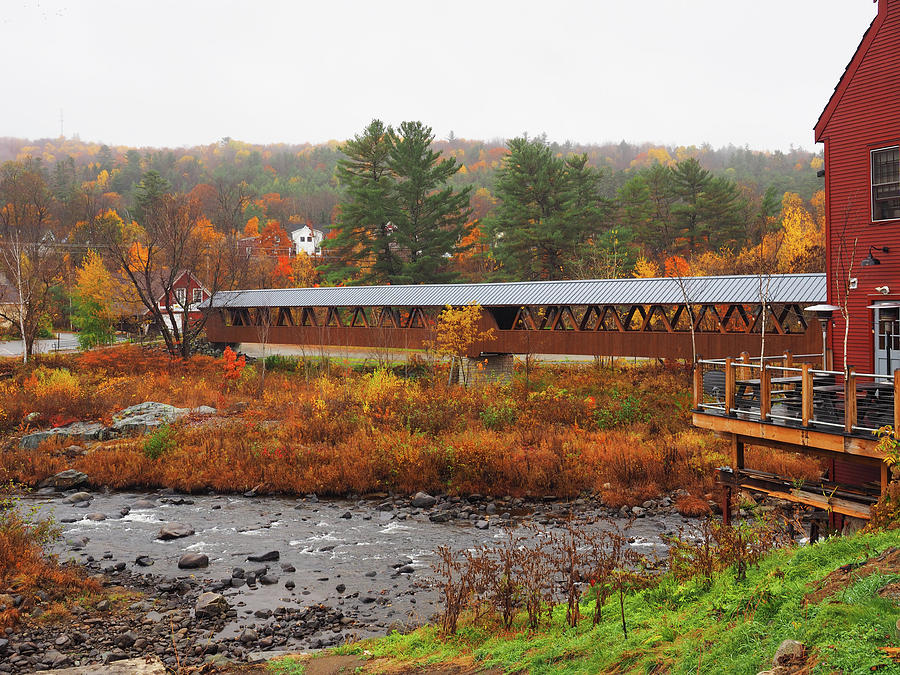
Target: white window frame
{"points": [[872, 184], [196, 296], [181, 296]]}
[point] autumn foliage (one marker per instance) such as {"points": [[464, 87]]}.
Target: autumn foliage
{"points": [[565, 431], [25, 569]]}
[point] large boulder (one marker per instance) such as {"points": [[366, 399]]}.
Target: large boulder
{"points": [[210, 605], [193, 561], [268, 556], [79, 497], [423, 500], [77, 431], [145, 417], [174, 531], [65, 480]]}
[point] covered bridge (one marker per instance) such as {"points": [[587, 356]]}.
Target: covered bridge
{"points": [[602, 317]]}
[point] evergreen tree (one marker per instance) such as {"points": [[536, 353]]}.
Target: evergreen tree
{"points": [[148, 194], [362, 249], [550, 209], [429, 216]]}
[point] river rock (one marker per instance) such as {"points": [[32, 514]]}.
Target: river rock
{"points": [[174, 531], [482, 524], [193, 561], [423, 500], [150, 665], [248, 635], [78, 431], [65, 480], [144, 504], [78, 497], [264, 557], [210, 605], [96, 517], [789, 652], [126, 640], [145, 417]]}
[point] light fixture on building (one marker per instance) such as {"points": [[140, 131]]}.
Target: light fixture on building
{"points": [[823, 314], [870, 259]]}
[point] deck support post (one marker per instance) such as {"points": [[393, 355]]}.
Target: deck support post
{"points": [[698, 385], [729, 385], [806, 395], [850, 401], [737, 454], [788, 359], [765, 393]]}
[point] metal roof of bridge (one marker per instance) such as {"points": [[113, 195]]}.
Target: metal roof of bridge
{"points": [[782, 288]]}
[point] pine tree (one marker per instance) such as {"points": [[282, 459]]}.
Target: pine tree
{"points": [[429, 217], [362, 250], [550, 208]]}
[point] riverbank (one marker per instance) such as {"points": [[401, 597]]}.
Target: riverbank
{"points": [[828, 607], [293, 574]]}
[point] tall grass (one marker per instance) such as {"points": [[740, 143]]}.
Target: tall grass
{"points": [[563, 431]]}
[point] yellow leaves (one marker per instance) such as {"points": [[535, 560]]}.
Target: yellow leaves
{"points": [[457, 331], [94, 284], [645, 269], [103, 179], [801, 233]]}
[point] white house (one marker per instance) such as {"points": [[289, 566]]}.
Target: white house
{"points": [[308, 240]]}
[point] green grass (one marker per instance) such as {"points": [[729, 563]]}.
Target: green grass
{"points": [[286, 666], [722, 627]]}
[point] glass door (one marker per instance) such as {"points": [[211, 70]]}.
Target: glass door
{"points": [[887, 339]]}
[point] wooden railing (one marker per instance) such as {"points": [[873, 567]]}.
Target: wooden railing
{"points": [[782, 390]]}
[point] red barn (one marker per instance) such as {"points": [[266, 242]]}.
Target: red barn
{"points": [[860, 128]]}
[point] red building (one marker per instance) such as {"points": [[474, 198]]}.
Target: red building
{"points": [[860, 128], [185, 293]]}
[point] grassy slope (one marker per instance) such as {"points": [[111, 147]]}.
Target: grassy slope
{"points": [[726, 627]]}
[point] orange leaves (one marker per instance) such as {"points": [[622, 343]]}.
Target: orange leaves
{"points": [[138, 257], [251, 229], [206, 232], [232, 367], [676, 266]]}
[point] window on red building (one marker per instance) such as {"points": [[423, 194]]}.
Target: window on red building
{"points": [[886, 183], [180, 295]]}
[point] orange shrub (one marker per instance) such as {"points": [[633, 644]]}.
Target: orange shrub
{"points": [[24, 567]]}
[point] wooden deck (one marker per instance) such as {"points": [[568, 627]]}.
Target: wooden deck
{"points": [[796, 407]]}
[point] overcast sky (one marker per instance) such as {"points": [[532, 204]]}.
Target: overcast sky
{"points": [[187, 72]]}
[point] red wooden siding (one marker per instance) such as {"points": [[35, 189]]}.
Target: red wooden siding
{"points": [[863, 115]]}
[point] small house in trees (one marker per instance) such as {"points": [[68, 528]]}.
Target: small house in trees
{"points": [[308, 239], [184, 296], [833, 405]]}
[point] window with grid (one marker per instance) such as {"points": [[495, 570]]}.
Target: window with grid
{"points": [[886, 184], [180, 295], [197, 296]]}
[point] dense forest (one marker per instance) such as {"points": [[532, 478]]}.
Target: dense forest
{"points": [[606, 208]]}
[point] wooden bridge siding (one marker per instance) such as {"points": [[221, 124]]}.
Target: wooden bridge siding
{"points": [[650, 344]]}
